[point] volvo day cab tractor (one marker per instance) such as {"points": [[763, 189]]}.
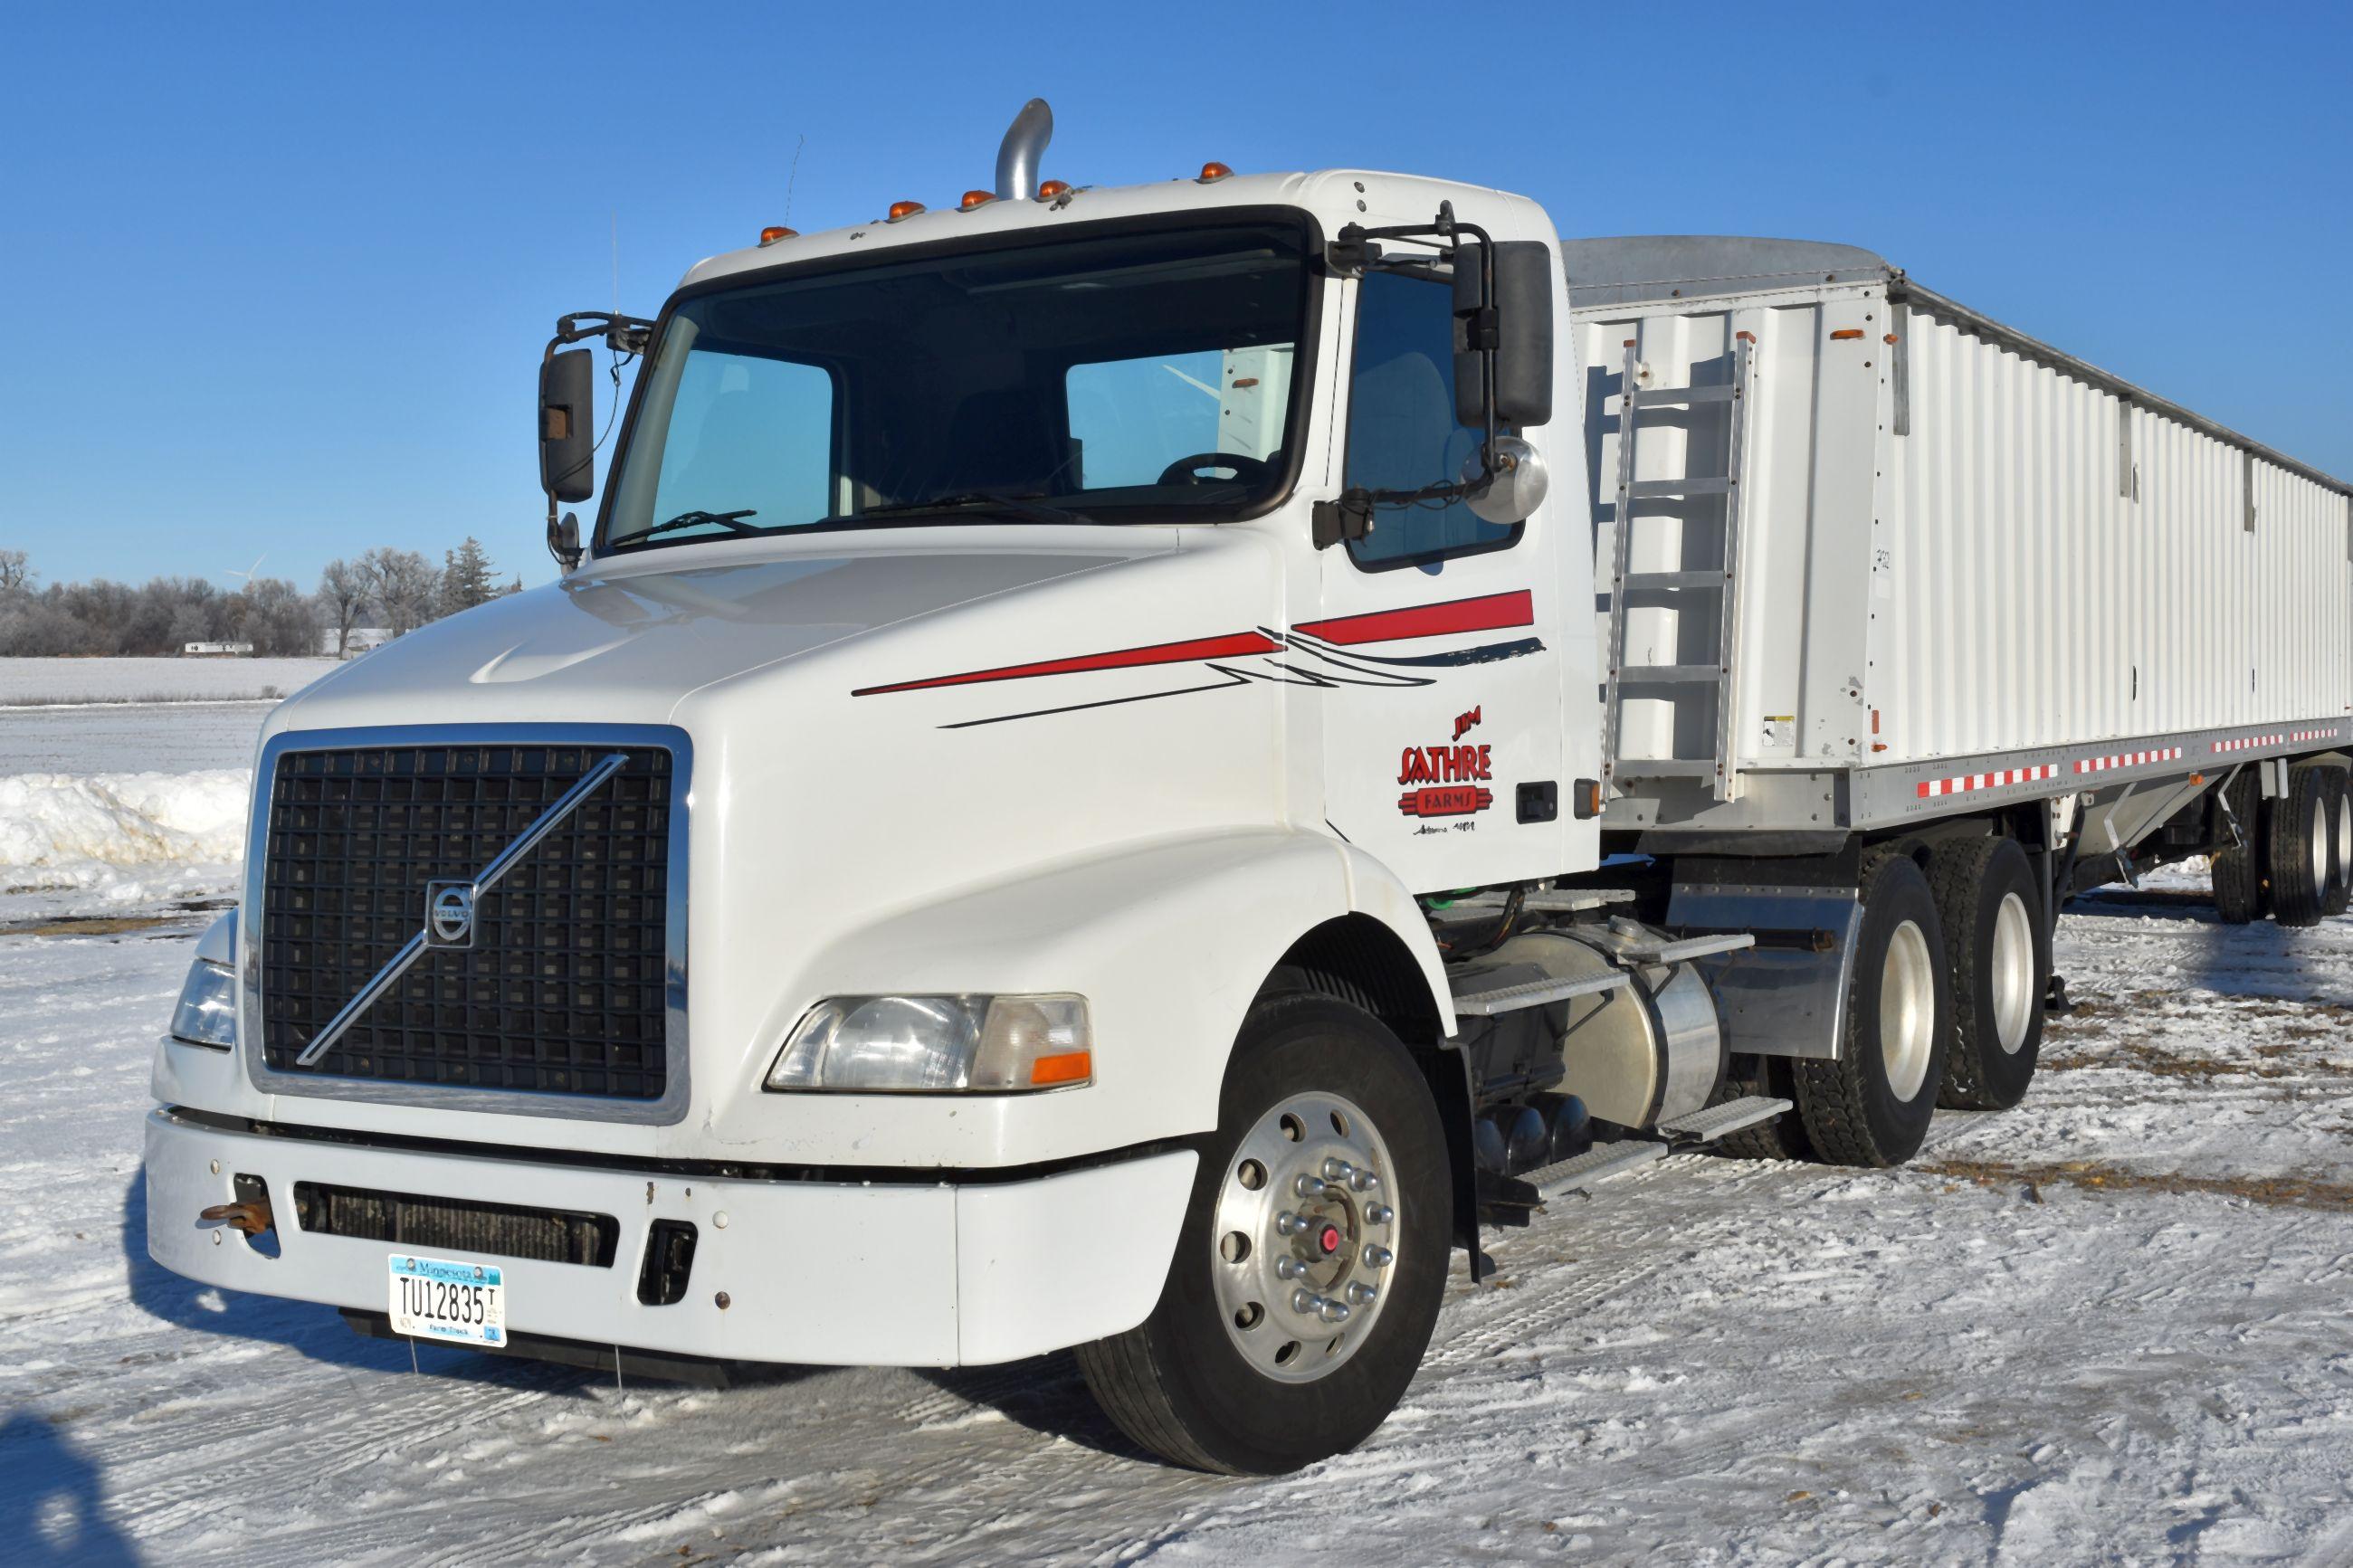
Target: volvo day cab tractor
{"points": [[1123, 768]]}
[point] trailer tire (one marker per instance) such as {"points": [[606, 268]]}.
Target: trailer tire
{"points": [[1200, 1393], [1871, 1106], [2301, 846], [1998, 948], [2340, 839], [2237, 868]]}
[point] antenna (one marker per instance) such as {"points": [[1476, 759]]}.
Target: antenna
{"points": [[793, 178]]}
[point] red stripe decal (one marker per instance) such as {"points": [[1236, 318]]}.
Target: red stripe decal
{"points": [[1482, 614], [1234, 645]]}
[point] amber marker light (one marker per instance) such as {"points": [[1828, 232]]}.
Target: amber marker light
{"points": [[976, 199], [1212, 172], [904, 209], [1072, 1066], [1052, 188], [774, 233]]}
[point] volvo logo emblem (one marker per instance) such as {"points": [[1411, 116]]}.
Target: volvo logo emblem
{"points": [[449, 914]]}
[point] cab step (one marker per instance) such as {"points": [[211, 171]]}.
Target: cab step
{"points": [[1681, 1135], [1715, 1121], [1534, 993]]}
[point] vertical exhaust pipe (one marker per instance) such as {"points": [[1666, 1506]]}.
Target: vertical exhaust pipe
{"points": [[1017, 156]]}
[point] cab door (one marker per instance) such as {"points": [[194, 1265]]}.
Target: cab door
{"points": [[1438, 631]]}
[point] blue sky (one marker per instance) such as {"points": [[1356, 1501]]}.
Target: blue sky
{"points": [[281, 275]]}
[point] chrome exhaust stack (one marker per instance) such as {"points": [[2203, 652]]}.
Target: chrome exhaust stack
{"points": [[1024, 147]]}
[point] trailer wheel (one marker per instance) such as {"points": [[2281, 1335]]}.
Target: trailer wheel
{"points": [[2340, 839], [1311, 1262], [1998, 948], [2302, 838], [2238, 870], [1871, 1106]]}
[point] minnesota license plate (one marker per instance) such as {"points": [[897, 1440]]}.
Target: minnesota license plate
{"points": [[436, 1298]]}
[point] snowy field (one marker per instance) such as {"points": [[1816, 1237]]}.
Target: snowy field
{"points": [[25, 682], [2109, 1327]]}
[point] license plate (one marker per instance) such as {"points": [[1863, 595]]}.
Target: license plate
{"points": [[437, 1299]]}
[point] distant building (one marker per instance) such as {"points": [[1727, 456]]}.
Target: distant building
{"points": [[362, 638], [216, 650]]}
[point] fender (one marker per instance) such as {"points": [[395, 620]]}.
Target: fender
{"points": [[1169, 941]]}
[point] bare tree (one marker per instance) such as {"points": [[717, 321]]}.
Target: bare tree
{"points": [[14, 572], [343, 594], [403, 584]]}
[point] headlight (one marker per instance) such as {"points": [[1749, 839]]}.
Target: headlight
{"points": [[206, 1014], [901, 1045]]}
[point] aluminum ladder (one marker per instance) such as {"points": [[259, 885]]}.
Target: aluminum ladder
{"points": [[1692, 589]]}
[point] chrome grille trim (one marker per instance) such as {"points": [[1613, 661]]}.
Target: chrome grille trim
{"points": [[668, 1109]]}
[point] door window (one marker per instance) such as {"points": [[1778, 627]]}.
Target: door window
{"points": [[1402, 435]]}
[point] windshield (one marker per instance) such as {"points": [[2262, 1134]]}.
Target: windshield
{"points": [[1143, 376]]}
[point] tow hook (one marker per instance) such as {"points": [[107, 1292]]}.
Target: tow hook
{"points": [[252, 1217]]}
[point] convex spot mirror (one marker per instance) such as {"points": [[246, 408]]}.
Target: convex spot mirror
{"points": [[1518, 489], [1518, 331], [568, 418]]}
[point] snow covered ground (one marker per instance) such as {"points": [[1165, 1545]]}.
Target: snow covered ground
{"points": [[38, 681], [2108, 1327]]}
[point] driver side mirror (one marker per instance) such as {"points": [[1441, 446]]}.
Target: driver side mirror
{"points": [[1517, 331], [568, 418]]}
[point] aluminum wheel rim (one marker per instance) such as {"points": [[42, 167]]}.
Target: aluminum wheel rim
{"points": [[2013, 973], [1304, 1243], [2344, 836], [1907, 1010], [2319, 845]]}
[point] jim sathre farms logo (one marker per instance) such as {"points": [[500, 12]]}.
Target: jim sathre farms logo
{"points": [[1451, 776]]}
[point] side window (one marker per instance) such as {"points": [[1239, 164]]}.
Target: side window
{"points": [[749, 433], [1401, 430]]}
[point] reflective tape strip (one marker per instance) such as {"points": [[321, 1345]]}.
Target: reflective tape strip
{"points": [[2127, 760], [1933, 788]]}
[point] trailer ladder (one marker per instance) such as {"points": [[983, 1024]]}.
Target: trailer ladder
{"points": [[1688, 587]]}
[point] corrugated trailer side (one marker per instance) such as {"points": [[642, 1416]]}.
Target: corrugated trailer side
{"points": [[1963, 563]]}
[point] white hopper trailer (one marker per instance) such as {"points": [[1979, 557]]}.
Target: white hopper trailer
{"points": [[1120, 768]]}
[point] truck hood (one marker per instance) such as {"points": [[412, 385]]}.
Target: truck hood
{"points": [[624, 646]]}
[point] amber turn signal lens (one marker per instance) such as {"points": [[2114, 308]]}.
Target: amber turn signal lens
{"points": [[1052, 188], [1072, 1066], [1213, 172], [772, 234], [977, 199]]}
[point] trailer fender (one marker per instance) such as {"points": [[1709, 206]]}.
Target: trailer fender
{"points": [[1169, 941]]}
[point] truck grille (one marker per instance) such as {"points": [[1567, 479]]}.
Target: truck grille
{"points": [[564, 990]]}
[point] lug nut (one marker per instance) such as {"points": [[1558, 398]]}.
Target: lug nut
{"points": [[1378, 1256], [1306, 1301], [1288, 1223], [1379, 1214], [1362, 1294], [1332, 1311], [1338, 1170], [1309, 1186], [1290, 1269], [1363, 1181]]}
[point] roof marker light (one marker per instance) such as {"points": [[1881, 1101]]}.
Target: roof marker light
{"points": [[774, 233], [1212, 172], [904, 209], [976, 199], [1051, 189]]}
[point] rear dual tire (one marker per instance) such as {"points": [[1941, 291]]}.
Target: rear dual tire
{"points": [[2238, 867], [2301, 846], [1997, 948], [1872, 1105]]}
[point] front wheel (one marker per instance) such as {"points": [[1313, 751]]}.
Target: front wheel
{"points": [[1311, 1261]]}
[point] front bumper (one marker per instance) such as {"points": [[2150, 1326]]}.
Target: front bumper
{"points": [[890, 1274]]}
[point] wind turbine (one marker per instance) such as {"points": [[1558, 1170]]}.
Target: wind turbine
{"points": [[248, 571]]}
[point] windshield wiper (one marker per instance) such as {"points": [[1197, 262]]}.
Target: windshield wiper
{"points": [[731, 521], [1027, 507]]}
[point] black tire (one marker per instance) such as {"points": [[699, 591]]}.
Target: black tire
{"points": [[1179, 1383], [1783, 1137], [2340, 838], [2300, 852], [1998, 948], [2238, 867], [1854, 1113]]}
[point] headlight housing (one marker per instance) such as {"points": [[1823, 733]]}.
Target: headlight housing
{"points": [[206, 1014], [938, 1044]]}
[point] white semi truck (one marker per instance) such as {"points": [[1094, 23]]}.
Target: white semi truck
{"points": [[1121, 768]]}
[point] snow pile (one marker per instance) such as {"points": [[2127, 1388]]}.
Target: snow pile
{"points": [[124, 837]]}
